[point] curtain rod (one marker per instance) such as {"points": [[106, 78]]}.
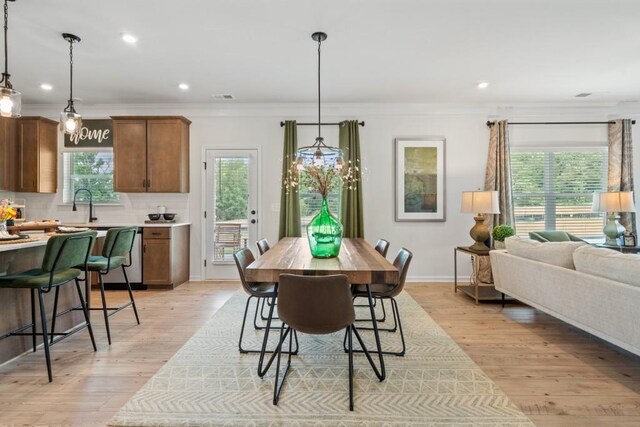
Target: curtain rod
{"points": [[490, 123], [321, 124]]}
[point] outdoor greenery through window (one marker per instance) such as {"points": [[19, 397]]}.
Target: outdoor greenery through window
{"points": [[552, 190], [92, 170], [231, 205]]}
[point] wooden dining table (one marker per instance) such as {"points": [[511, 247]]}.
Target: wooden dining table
{"points": [[358, 260]]}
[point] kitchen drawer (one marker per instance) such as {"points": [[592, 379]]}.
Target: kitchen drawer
{"points": [[156, 233]]}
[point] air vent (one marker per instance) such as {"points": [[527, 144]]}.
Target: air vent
{"points": [[583, 94], [223, 97]]}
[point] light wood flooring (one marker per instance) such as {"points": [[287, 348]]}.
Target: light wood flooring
{"points": [[557, 375]]}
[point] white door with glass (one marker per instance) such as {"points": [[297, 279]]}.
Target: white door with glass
{"points": [[231, 209]]}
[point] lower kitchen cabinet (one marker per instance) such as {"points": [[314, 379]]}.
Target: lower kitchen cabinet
{"points": [[165, 256]]}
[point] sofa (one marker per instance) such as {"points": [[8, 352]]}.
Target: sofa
{"points": [[553, 236], [594, 289]]}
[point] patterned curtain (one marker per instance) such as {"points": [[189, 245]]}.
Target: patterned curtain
{"points": [[351, 207], [620, 177], [289, 200], [498, 174]]}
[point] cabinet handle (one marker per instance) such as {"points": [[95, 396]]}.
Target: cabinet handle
{"points": [[148, 183], [155, 234], [144, 248], [144, 183]]}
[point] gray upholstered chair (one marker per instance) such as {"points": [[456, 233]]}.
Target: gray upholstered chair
{"points": [[263, 246], [315, 305], [553, 236], [382, 247]]}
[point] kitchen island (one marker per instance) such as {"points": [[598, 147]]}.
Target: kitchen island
{"points": [[15, 304]]}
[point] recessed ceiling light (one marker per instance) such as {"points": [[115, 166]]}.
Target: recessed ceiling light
{"points": [[129, 38], [183, 86], [46, 86], [483, 85]]}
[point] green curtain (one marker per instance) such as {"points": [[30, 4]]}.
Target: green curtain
{"points": [[351, 207], [289, 201]]}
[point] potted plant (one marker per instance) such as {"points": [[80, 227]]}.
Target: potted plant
{"points": [[500, 233]]}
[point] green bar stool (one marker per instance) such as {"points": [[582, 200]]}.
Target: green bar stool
{"points": [[116, 252], [65, 259]]}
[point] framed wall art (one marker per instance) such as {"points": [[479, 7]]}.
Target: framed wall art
{"points": [[420, 179]]}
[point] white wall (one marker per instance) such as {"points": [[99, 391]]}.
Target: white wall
{"points": [[258, 126]]}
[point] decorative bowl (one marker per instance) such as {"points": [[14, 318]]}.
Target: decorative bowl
{"points": [[154, 216], [169, 216]]}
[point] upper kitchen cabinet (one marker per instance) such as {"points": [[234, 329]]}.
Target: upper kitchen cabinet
{"points": [[8, 158], [151, 154], [36, 153]]}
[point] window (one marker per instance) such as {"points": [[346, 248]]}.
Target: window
{"points": [[552, 189], [92, 170]]}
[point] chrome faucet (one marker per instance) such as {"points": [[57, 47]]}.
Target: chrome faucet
{"points": [[75, 208]]}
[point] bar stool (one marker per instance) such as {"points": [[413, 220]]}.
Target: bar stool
{"points": [[65, 259], [115, 252]]}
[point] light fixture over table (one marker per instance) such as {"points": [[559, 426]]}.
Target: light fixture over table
{"points": [[70, 120], [319, 154], [480, 203], [10, 99]]}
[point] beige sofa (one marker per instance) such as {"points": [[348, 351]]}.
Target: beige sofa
{"points": [[594, 289]]}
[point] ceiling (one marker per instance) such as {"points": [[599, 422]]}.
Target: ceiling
{"points": [[393, 51]]}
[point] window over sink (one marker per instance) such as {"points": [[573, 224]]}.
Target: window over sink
{"points": [[92, 170]]}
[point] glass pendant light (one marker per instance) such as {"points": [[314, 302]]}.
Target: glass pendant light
{"points": [[10, 99], [319, 154], [70, 120]]}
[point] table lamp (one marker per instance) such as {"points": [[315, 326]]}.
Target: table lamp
{"points": [[612, 202], [480, 203]]}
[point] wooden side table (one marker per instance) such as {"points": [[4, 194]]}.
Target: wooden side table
{"points": [[477, 290]]}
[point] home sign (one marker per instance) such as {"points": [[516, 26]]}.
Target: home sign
{"points": [[94, 134]]}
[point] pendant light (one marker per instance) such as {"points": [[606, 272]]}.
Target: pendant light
{"points": [[319, 154], [10, 100], [70, 120]]}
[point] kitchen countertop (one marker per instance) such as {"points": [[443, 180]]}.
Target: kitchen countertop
{"points": [[127, 224], [41, 240]]}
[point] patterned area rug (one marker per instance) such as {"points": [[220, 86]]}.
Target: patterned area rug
{"points": [[208, 383]]}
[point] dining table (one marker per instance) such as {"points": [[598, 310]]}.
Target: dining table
{"points": [[357, 260]]}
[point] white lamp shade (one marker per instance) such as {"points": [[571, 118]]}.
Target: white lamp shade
{"points": [[480, 202], [613, 201]]}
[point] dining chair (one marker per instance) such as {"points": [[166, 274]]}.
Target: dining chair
{"points": [[65, 259], [382, 247], [116, 252], [389, 291], [258, 290], [315, 305], [263, 246]]}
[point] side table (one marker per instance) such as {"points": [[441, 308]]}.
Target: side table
{"points": [[476, 290]]}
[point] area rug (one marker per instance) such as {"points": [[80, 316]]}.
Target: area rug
{"points": [[209, 383]]}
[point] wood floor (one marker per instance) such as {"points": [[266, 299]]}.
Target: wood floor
{"points": [[556, 374]]}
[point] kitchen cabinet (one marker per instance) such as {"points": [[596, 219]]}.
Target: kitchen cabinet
{"points": [[165, 255], [28, 154], [8, 158], [151, 154]]}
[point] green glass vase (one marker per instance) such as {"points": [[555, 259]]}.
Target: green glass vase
{"points": [[324, 233]]}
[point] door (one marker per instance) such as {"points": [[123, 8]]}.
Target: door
{"points": [[130, 156], [231, 209], [156, 261]]}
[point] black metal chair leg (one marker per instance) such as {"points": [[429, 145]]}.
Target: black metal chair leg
{"points": [[381, 374], [394, 306], [278, 351], [104, 307], [33, 319], [133, 303], [45, 339], [55, 313], [244, 319], [261, 371], [384, 312], [349, 329], [86, 315]]}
